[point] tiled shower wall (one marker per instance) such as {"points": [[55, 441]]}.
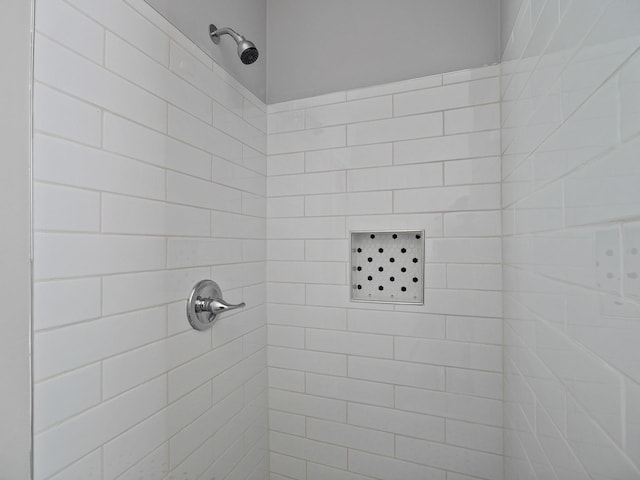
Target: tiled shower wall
{"points": [[149, 168], [571, 196], [366, 390]]}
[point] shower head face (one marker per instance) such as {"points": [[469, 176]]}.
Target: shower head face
{"points": [[247, 51]]}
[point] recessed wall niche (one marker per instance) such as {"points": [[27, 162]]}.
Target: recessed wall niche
{"points": [[387, 267]]}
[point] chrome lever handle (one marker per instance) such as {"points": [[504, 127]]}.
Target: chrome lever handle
{"points": [[215, 305], [205, 304]]}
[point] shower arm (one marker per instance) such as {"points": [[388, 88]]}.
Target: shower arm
{"points": [[215, 34]]}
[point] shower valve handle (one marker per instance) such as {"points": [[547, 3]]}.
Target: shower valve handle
{"points": [[205, 303], [215, 305]]}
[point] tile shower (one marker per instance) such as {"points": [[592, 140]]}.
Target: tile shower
{"points": [[153, 169]]}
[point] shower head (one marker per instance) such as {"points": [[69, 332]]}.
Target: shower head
{"points": [[247, 51]]}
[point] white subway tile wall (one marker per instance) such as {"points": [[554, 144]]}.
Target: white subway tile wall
{"points": [[149, 175], [364, 390], [571, 176]]}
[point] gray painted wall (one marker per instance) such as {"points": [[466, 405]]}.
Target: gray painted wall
{"points": [[311, 47], [15, 241], [317, 47], [247, 17]]}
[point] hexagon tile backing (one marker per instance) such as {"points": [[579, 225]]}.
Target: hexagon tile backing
{"points": [[387, 267]]}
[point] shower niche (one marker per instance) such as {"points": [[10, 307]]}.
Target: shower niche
{"points": [[387, 267]]}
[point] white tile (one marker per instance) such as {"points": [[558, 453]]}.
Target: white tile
{"points": [[282, 336], [287, 163], [307, 272], [395, 178], [386, 468], [329, 182], [65, 116], [449, 147], [472, 119], [446, 97], [480, 170], [474, 329], [225, 224], [70, 440], [478, 437], [306, 449], [322, 472], [133, 140], [351, 436], [397, 421], [463, 302], [605, 190], [132, 446], [348, 204], [62, 302], [193, 191], [308, 316], [597, 452], [454, 354], [73, 346], [349, 112], [474, 277], [194, 373], [67, 163], [138, 68], [463, 250], [87, 468], [188, 440], [150, 360], [125, 22], [70, 255], [348, 157], [202, 135], [155, 465], [315, 139], [308, 405], [308, 361], [484, 465], [65, 209], [439, 199], [631, 260], [66, 25], [431, 223], [292, 293], [133, 291], [348, 343], [460, 407], [380, 131], [235, 126], [92, 83], [288, 121], [287, 423], [288, 466], [282, 207], [474, 382], [64, 396], [326, 250], [285, 250], [473, 224], [371, 393], [316, 228], [397, 323], [395, 372]]}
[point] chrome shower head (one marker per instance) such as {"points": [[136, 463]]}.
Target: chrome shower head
{"points": [[247, 51]]}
